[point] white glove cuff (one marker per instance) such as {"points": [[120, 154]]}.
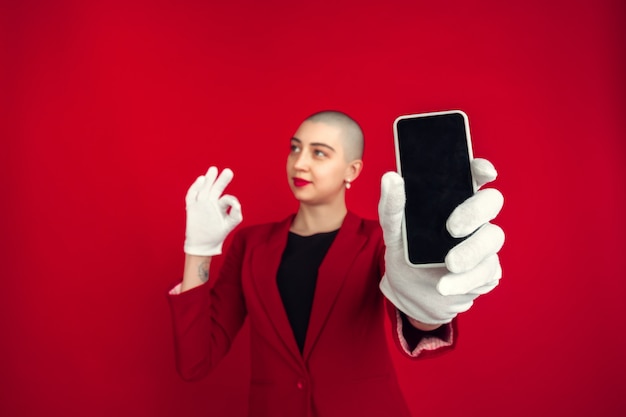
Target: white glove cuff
{"points": [[397, 297], [203, 250]]}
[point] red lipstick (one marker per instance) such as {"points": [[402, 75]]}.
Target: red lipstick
{"points": [[299, 182]]}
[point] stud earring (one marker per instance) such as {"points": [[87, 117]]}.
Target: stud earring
{"points": [[348, 185]]}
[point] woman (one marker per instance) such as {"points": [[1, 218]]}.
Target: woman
{"points": [[309, 284]]}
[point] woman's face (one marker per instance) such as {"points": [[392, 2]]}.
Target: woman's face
{"points": [[316, 167]]}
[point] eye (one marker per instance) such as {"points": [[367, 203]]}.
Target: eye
{"points": [[294, 148], [319, 153]]}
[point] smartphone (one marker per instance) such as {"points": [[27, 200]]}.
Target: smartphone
{"points": [[433, 154]]}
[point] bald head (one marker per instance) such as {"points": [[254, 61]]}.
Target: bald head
{"points": [[351, 133]]}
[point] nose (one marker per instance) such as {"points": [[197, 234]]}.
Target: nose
{"points": [[301, 162]]}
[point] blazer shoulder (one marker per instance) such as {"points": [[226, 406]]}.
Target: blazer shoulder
{"points": [[262, 231], [368, 227]]}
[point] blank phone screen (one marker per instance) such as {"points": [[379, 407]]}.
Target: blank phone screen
{"points": [[435, 163]]}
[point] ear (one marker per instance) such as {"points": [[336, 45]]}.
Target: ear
{"points": [[354, 170]]}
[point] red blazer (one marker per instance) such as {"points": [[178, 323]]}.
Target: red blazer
{"points": [[345, 368]]}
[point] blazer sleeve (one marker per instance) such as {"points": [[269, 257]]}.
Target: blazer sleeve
{"points": [[207, 318], [412, 342]]}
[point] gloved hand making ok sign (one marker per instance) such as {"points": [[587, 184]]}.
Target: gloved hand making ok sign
{"points": [[211, 216]]}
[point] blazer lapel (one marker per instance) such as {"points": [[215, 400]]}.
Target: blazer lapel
{"points": [[332, 273], [265, 262]]}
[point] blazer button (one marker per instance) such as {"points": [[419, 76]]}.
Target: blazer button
{"points": [[301, 384]]}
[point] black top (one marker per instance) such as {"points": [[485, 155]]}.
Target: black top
{"points": [[297, 276]]}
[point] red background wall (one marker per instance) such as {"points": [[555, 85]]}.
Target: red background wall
{"points": [[110, 110]]}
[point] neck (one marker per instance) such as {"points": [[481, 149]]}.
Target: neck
{"points": [[318, 219]]}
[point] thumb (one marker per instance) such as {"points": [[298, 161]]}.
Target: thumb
{"points": [[391, 206]]}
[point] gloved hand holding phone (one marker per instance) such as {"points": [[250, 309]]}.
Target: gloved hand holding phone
{"points": [[435, 295]]}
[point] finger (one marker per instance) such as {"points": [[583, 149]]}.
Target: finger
{"points": [[477, 210], [234, 216], [479, 280], [468, 254], [483, 171], [192, 192], [209, 179], [490, 285], [220, 183]]}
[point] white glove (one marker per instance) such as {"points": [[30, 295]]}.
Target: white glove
{"points": [[209, 219], [435, 295]]}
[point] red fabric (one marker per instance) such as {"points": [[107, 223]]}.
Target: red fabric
{"points": [[345, 368]]}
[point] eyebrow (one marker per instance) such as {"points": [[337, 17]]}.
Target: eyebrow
{"points": [[315, 144]]}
